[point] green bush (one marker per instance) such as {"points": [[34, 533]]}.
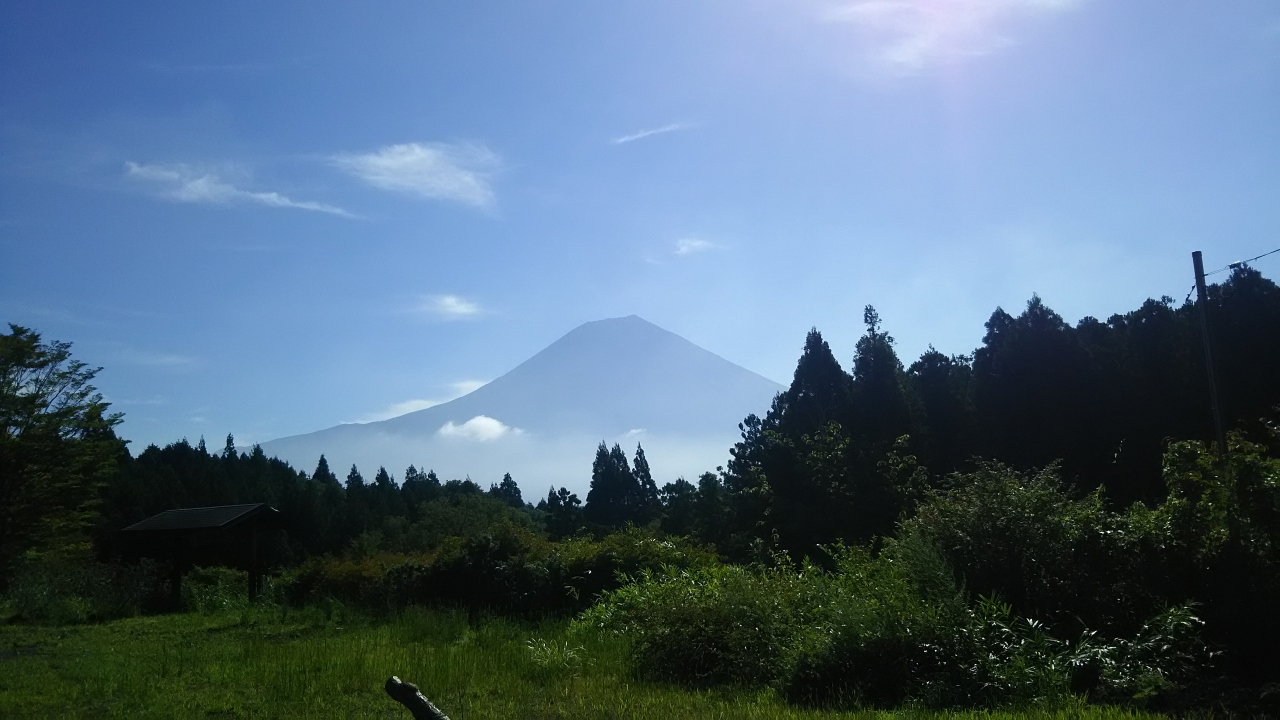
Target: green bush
{"points": [[506, 570], [876, 631], [1023, 538], [215, 589], [69, 589], [1213, 543], [886, 631], [710, 625]]}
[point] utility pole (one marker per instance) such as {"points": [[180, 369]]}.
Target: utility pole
{"points": [[1202, 300]]}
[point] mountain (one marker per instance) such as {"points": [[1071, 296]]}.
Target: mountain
{"points": [[620, 380]]}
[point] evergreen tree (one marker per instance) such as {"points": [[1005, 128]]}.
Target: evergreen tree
{"points": [[884, 406], [711, 521], [944, 386], [57, 446], [679, 507], [359, 515], [564, 513], [330, 502], [418, 488], [614, 497], [1032, 382], [323, 474], [649, 505], [387, 499], [819, 392], [508, 492]]}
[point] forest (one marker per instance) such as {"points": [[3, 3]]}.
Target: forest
{"points": [[1046, 520]]}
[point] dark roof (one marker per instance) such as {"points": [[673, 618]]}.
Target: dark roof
{"points": [[205, 518]]}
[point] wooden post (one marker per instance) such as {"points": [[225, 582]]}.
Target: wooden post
{"points": [[255, 581], [175, 573], [407, 695], [1202, 300]]}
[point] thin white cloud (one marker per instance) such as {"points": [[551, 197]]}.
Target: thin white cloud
{"points": [[907, 36], [459, 172], [182, 183], [480, 428], [649, 133], [402, 408], [130, 356], [693, 246], [157, 400], [464, 387], [457, 390], [450, 307]]}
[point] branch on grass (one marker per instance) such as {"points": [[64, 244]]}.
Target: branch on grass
{"points": [[407, 695]]}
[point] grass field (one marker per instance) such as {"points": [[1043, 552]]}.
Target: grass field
{"points": [[321, 663]]}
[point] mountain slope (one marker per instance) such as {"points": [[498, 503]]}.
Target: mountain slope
{"points": [[622, 378]]}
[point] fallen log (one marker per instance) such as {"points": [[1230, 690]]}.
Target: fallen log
{"points": [[407, 694]]}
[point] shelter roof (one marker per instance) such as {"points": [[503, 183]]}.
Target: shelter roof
{"points": [[205, 518]]}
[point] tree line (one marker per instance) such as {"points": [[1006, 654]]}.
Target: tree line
{"points": [[841, 454]]}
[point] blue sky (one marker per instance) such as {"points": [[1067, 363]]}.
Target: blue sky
{"points": [[270, 218]]}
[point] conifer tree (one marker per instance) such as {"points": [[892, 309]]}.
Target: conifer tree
{"points": [[507, 491], [649, 506], [884, 404], [387, 501], [418, 488], [615, 495], [679, 507], [323, 474], [358, 515], [944, 385], [564, 513], [712, 520], [57, 446]]}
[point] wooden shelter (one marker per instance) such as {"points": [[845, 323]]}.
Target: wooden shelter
{"points": [[173, 530]]}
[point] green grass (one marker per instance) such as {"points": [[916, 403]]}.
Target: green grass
{"points": [[321, 664]]}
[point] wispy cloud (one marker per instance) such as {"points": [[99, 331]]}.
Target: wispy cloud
{"points": [[649, 133], [693, 246], [450, 307], [481, 428], [457, 390], [131, 356], [183, 183], [907, 36], [462, 387], [460, 172], [157, 400]]}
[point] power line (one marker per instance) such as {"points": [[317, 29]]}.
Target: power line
{"points": [[1238, 263]]}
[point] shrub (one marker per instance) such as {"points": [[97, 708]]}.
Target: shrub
{"points": [[886, 633], [507, 570], [556, 658], [1023, 538], [215, 589], [876, 631], [62, 589], [709, 625]]}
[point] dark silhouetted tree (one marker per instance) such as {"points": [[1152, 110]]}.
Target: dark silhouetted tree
{"points": [[615, 497], [507, 491], [679, 507], [57, 446], [649, 505], [564, 513]]}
